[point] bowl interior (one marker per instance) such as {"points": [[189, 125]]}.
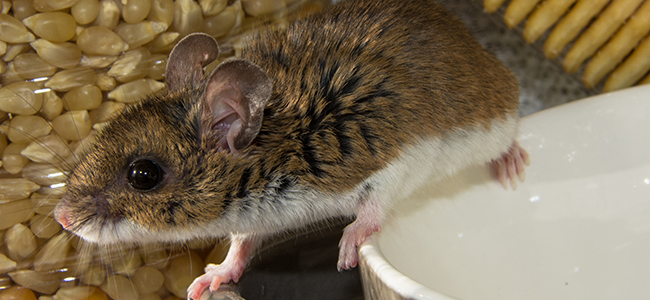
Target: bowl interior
{"points": [[578, 228]]}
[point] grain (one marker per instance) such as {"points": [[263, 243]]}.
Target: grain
{"points": [[24, 129], [67, 80], [13, 31], [85, 11], [61, 55], [83, 98], [135, 11], [30, 66], [53, 26], [12, 161], [15, 212], [48, 149], [20, 98], [99, 40], [73, 125], [132, 65]]}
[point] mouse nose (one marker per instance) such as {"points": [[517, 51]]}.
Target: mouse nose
{"points": [[61, 215]]}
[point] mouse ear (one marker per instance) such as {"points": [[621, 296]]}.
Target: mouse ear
{"points": [[187, 59], [235, 96]]}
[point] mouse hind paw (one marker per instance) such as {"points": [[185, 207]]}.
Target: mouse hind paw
{"points": [[511, 166]]}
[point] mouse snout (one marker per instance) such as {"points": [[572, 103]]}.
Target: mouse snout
{"points": [[62, 215]]}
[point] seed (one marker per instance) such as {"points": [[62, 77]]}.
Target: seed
{"points": [[261, 7], [80, 293], [162, 11], [43, 174], [222, 23], [52, 105], [135, 11], [147, 280], [22, 9], [72, 125], [20, 242], [141, 33], [16, 189], [43, 204], [42, 282], [100, 40], [164, 42], [44, 227], [3, 66], [134, 91], [83, 98], [17, 292], [109, 14], [85, 11], [52, 5], [24, 129], [97, 62], [66, 80], [188, 17], [48, 149], [132, 65], [13, 31], [30, 65], [106, 82], [62, 55], [53, 253], [52, 26], [155, 256], [94, 275], [105, 111], [157, 66], [12, 161], [218, 253], [127, 263], [14, 50], [6, 265], [212, 7], [3, 48], [20, 98], [15, 212], [181, 271], [119, 287], [3, 144]]}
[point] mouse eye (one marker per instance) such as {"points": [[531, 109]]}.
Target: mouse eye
{"points": [[144, 174]]}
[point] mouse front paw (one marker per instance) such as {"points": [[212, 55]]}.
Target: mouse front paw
{"points": [[214, 276], [511, 166]]}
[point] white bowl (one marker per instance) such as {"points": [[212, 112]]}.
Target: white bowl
{"points": [[578, 228]]}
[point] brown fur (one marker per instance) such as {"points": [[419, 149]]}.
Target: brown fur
{"points": [[352, 86]]}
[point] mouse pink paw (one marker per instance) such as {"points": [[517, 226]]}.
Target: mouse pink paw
{"points": [[368, 221], [230, 269], [214, 276], [511, 166]]}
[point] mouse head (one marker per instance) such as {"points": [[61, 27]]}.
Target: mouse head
{"points": [[162, 170]]}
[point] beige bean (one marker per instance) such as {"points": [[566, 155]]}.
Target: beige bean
{"points": [[97, 62], [94, 275], [5, 6], [212, 7], [14, 50], [16, 189], [162, 11], [44, 227], [43, 174], [222, 23], [3, 144], [128, 263], [52, 105], [62, 55], [82, 98], [66, 80], [53, 254], [43, 204], [53, 26], [30, 65], [134, 91], [15, 212], [85, 11], [10, 76], [3, 48], [155, 256], [20, 241], [106, 111], [48, 149], [257, 8], [106, 82], [119, 287], [141, 33], [24, 129], [13, 31], [98, 40], [147, 280], [7, 265], [135, 11], [12, 161], [23, 9], [157, 66], [42, 282], [188, 17], [132, 65], [181, 271], [164, 42], [52, 5], [72, 125], [109, 14], [517, 10], [21, 98]]}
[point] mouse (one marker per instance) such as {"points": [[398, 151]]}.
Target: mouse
{"points": [[341, 114]]}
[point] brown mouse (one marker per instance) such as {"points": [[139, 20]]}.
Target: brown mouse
{"points": [[343, 113]]}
